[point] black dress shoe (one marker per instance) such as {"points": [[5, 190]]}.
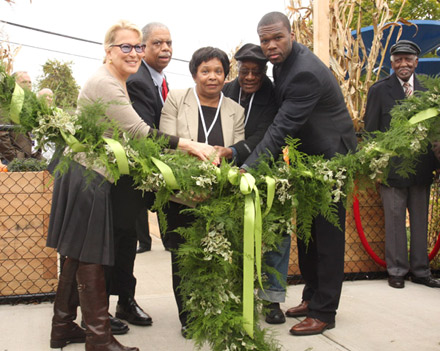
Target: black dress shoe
{"points": [[396, 281], [132, 313], [275, 315], [143, 248], [428, 281], [117, 326]]}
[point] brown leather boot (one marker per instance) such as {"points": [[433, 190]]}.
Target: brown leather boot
{"points": [[94, 307], [64, 329]]}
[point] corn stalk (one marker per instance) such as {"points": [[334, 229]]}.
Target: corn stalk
{"points": [[7, 55], [350, 62]]}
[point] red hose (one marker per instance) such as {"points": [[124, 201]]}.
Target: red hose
{"points": [[364, 241], [435, 249]]}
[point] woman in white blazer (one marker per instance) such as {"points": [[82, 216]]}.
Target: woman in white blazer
{"points": [[200, 114]]}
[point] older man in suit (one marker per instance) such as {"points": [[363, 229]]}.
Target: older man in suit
{"points": [[148, 90], [312, 108], [399, 193]]}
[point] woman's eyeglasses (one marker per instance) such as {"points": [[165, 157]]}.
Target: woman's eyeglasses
{"points": [[126, 48]]}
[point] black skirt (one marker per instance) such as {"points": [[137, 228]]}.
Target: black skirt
{"points": [[81, 224]]}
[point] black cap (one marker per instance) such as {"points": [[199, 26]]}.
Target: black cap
{"points": [[405, 47], [250, 52]]}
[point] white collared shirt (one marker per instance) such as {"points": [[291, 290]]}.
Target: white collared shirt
{"points": [[410, 82], [157, 79]]}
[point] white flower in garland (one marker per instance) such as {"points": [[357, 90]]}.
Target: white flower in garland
{"points": [[131, 153], [152, 182], [215, 243], [334, 177], [377, 165], [50, 126], [207, 176], [282, 191]]}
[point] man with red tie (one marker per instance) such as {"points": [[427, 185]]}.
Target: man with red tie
{"points": [[147, 90]]}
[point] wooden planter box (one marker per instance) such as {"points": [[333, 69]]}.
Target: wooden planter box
{"points": [[26, 265]]}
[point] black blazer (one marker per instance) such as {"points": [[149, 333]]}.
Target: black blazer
{"points": [[145, 96], [312, 109], [382, 96], [263, 110]]}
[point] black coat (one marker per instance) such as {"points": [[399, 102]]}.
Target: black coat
{"points": [[312, 109], [263, 110], [145, 96], [382, 96]]}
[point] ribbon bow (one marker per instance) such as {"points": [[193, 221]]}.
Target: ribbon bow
{"points": [[252, 236]]}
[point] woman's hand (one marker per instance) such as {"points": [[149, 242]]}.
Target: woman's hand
{"points": [[201, 150]]}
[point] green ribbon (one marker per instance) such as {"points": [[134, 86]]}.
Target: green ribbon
{"points": [[167, 173], [270, 194], [252, 237], [424, 115], [16, 103], [119, 152], [73, 142]]}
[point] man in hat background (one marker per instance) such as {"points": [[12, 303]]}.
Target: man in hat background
{"points": [[253, 90], [399, 193]]}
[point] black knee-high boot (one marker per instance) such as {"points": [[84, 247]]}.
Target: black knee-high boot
{"points": [[94, 307], [64, 329]]}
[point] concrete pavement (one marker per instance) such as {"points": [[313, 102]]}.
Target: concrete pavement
{"points": [[372, 316]]}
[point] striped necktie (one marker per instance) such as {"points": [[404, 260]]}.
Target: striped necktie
{"points": [[407, 89]]}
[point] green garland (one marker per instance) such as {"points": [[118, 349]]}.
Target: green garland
{"points": [[212, 258]]}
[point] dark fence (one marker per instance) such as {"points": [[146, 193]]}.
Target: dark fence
{"points": [[29, 270], [365, 263]]}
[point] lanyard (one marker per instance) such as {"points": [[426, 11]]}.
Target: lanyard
{"points": [[249, 107], [207, 132]]}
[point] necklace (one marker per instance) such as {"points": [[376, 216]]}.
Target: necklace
{"points": [[249, 108], [205, 130]]}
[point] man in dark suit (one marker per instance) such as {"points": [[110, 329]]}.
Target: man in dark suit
{"points": [[147, 90], [399, 193], [312, 109]]}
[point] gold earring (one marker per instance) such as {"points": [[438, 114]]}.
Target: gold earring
{"points": [[110, 61]]}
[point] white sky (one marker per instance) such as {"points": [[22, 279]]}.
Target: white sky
{"points": [[225, 24]]}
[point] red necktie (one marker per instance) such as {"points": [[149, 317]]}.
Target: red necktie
{"points": [[164, 89]]}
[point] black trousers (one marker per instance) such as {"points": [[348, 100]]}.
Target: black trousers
{"points": [[143, 229], [127, 204], [322, 267], [172, 240]]}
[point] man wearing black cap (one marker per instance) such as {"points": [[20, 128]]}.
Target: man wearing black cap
{"points": [[400, 193], [253, 90]]}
